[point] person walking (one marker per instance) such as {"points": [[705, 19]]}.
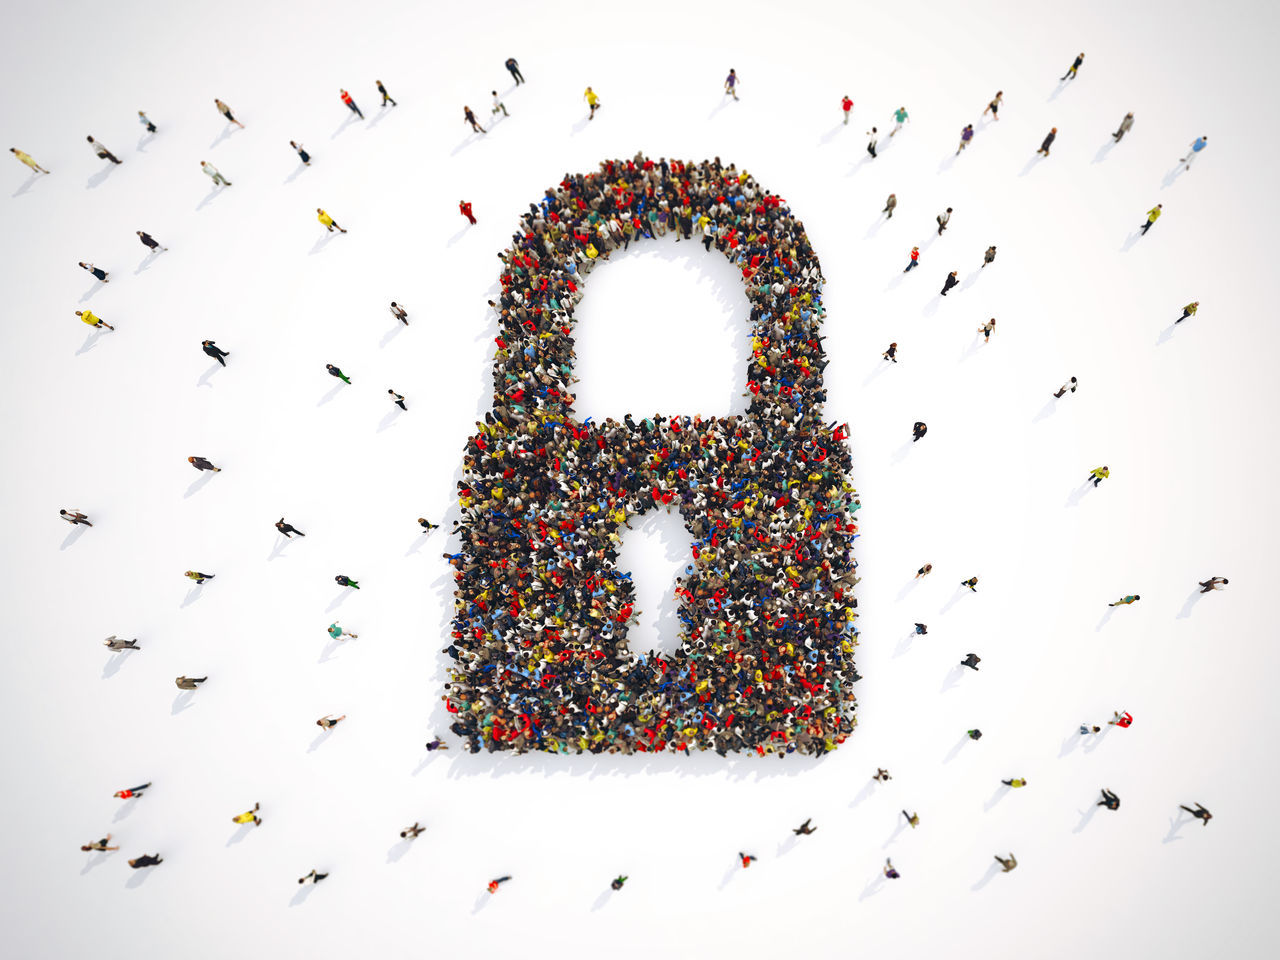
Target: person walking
{"points": [[882, 775], [464, 208], [26, 158], [351, 104], [131, 792], [900, 117], [1200, 813], [943, 219], [344, 581], [495, 884], [337, 372], [1152, 216], [498, 105], [746, 859], [329, 223], [994, 105], [1098, 474], [114, 643], [301, 152], [890, 204], [971, 661], [98, 272], [99, 844], [146, 860], [871, 144], [397, 399], [912, 818], [288, 529], [1206, 586], [617, 883], [1048, 141], [212, 173], [1124, 127], [965, 136], [593, 101], [890, 870], [988, 257], [469, 117], [1069, 385], [731, 83], [919, 430], [142, 119], [513, 68], [399, 313], [199, 577], [846, 108], [211, 349], [411, 833], [971, 583], [1086, 729], [437, 744], [150, 242], [1109, 800], [986, 330], [1122, 720], [891, 353], [329, 721], [427, 525], [313, 877], [74, 516], [188, 683], [226, 112], [922, 629], [1189, 311], [249, 816], [1197, 145], [914, 261], [923, 571], [1007, 863], [101, 152], [1071, 70], [386, 97], [950, 282], [1016, 782], [200, 463], [974, 734], [338, 633], [1126, 600], [804, 829]]}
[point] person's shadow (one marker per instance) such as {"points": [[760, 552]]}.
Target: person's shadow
{"points": [[339, 600], [418, 544], [902, 452], [97, 285], [1187, 607], [114, 663], [126, 808], [194, 594], [227, 131], [143, 141], [955, 751], [278, 548], [149, 259], [880, 368], [955, 598], [198, 484], [949, 682], [1166, 335], [391, 334], [321, 739], [389, 418], [183, 701], [863, 794], [1002, 791], [350, 119], [76, 533], [207, 376], [333, 392], [903, 645], [214, 191], [27, 185], [90, 342], [398, 850], [830, 134], [1172, 175], [992, 870], [323, 242], [1106, 618], [1130, 241], [875, 227], [1104, 150], [457, 236], [296, 173], [897, 832], [327, 653], [874, 886], [1047, 411], [1079, 493], [304, 891], [139, 877], [240, 833], [100, 177], [1175, 825], [1031, 164], [97, 857], [1085, 817], [911, 585]]}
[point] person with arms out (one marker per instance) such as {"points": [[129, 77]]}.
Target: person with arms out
{"points": [[288, 529], [99, 844], [994, 105], [411, 833], [1007, 863], [313, 877], [971, 583], [329, 721], [249, 816], [1213, 583], [1098, 474], [1123, 720], [98, 272], [1109, 800], [804, 829], [986, 330], [1200, 813]]}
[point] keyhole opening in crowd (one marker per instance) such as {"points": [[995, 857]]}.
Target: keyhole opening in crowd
{"points": [[662, 328], [655, 551]]}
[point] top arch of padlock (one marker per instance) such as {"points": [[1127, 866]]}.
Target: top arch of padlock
{"points": [[545, 268]]}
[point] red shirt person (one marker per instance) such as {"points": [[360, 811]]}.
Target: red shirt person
{"points": [[465, 209]]}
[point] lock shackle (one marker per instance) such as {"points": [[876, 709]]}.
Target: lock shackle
{"points": [[584, 218]]}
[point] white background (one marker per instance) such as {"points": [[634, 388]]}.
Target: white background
{"points": [[1184, 417]]}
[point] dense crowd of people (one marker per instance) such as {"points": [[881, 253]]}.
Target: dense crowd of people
{"points": [[766, 609]]}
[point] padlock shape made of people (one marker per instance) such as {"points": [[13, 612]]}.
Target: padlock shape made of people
{"points": [[543, 656]]}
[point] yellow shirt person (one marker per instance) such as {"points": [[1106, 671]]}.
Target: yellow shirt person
{"points": [[328, 221], [26, 158]]}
